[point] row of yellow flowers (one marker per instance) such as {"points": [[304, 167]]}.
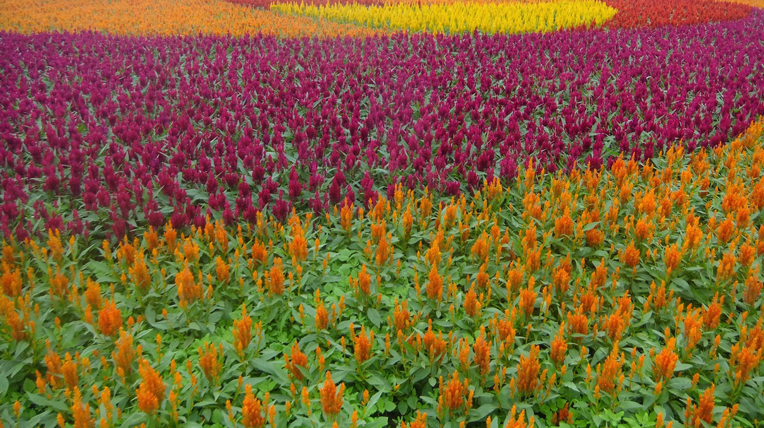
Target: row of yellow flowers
{"points": [[453, 17], [640, 285], [160, 17]]}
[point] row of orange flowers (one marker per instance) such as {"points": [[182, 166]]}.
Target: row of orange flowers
{"points": [[161, 18], [640, 284]]}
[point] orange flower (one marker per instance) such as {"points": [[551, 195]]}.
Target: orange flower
{"points": [[614, 325], [519, 420], [453, 393], [752, 289], [481, 247], [140, 274], [528, 298], [528, 371], [725, 230], [276, 277], [726, 268], [221, 270], [109, 318], [563, 225], [713, 313], [125, 353], [346, 216], [210, 361], [54, 245], [242, 331], [59, 284], [471, 304], [362, 344], [579, 322], [331, 398], [188, 290], [703, 411], [190, 250], [11, 281], [435, 284], [419, 422], [298, 247], [630, 255], [482, 350], [383, 253], [364, 281], [610, 370], [665, 362], [435, 345], [559, 346], [151, 390], [53, 363], [170, 237], [514, 278], [259, 253], [692, 328], [81, 411], [69, 371], [672, 258], [93, 294], [594, 237], [251, 410], [295, 361], [643, 229], [322, 317], [743, 359], [563, 415], [401, 316]]}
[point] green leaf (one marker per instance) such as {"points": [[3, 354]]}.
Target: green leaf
{"points": [[44, 402], [374, 317]]}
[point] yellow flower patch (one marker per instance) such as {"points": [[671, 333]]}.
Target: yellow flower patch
{"points": [[449, 17]]}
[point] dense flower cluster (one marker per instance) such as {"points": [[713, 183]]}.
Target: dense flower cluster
{"points": [[462, 17], [160, 17], [122, 131], [461, 320]]}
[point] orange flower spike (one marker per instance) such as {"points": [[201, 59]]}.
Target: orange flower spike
{"points": [[528, 371], [435, 284], [364, 281], [362, 344], [563, 226], [81, 411], [482, 351], [665, 361], [276, 277], [210, 361], [712, 315], [221, 270], [109, 318], [188, 290], [331, 397], [252, 410], [151, 390], [528, 298], [559, 346], [296, 360], [471, 304], [322, 317], [242, 332], [610, 370], [454, 392], [630, 255]]}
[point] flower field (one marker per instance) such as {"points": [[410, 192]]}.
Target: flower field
{"points": [[459, 17], [376, 213]]}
